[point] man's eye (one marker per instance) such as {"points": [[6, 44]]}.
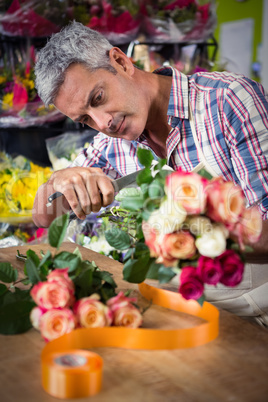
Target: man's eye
{"points": [[85, 120], [98, 98]]}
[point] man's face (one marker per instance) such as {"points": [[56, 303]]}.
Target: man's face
{"points": [[110, 103]]}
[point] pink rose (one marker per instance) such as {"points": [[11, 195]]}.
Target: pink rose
{"points": [[249, 228], [191, 286], [180, 245], [167, 260], [35, 316], [56, 322], [20, 96], [62, 278], [225, 202], [125, 314], [151, 239], [209, 270], [49, 295], [120, 300], [188, 190], [232, 267], [91, 313]]}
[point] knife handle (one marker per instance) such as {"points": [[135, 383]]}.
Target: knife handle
{"points": [[53, 196]]}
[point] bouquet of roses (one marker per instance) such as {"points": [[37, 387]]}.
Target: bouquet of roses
{"points": [[61, 292], [187, 225], [32, 18], [19, 103], [179, 20], [118, 20]]}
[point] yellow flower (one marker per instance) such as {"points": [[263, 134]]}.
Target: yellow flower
{"points": [[18, 188], [7, 101], [2, 79], [29, 84]]}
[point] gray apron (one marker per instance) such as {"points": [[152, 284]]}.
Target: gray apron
{"points": [[250, 297]]}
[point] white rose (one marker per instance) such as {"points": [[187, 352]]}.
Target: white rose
{"points": [[168, 218], [198, 225], [213, 243]]}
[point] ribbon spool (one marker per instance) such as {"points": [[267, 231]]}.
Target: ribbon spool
{"points": [[69, 372]]}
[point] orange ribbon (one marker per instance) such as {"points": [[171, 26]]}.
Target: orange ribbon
{"points": [[69, 372]]}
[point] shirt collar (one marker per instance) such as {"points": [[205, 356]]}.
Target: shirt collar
{"points": [[178, 100]]}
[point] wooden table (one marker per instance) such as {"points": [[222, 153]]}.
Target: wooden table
{"points": [[234, 367]]}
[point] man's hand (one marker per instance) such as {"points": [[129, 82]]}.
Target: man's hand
{"points": [[84, 190]]}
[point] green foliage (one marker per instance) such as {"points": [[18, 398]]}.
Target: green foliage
{"points": [[16, 303]]}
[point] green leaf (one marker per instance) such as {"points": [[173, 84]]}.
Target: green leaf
{"points": [[34, 257], [160, 164], [156, 189], [129, 254], [77, 252], [17, 296], [132, 204], [107, 277], [165, 274], [204, 173], [145, 176], [31, 271], [128, 192], [15, 317], [201, 300], [46, 259], [135, 270], [57, 230], [106, 292], [145, 157], [3, 289], [66, 260], [84, 284], [7, 273], [141, 251], [118, 239], [153, 270]]}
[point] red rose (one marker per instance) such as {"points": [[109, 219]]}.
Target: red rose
{"points": [[209, 270], [232, 267], [191, 286]]}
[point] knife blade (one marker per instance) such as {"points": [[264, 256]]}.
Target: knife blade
{"points": [[118, 184]]}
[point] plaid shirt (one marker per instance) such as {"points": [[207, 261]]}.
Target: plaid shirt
{"points": [[231, 122]]}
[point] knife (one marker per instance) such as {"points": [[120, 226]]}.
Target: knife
{"points": [[118, 184]]}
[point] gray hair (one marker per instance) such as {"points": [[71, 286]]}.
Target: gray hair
{"points": [[75, 43]]}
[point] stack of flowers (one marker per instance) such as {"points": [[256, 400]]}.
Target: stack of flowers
{"points": [[178, 20], [19, 181], [61, 292], [19, 103], [33, 18], [118, 20], [188, 225], [58, 311]]}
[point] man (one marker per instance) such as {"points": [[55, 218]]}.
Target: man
{"points": [[215, 120]]}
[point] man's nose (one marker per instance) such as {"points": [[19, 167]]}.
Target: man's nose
{"points": [[102, 120]]}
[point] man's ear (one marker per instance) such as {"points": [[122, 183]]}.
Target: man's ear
{"points": [[119, 60]]}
